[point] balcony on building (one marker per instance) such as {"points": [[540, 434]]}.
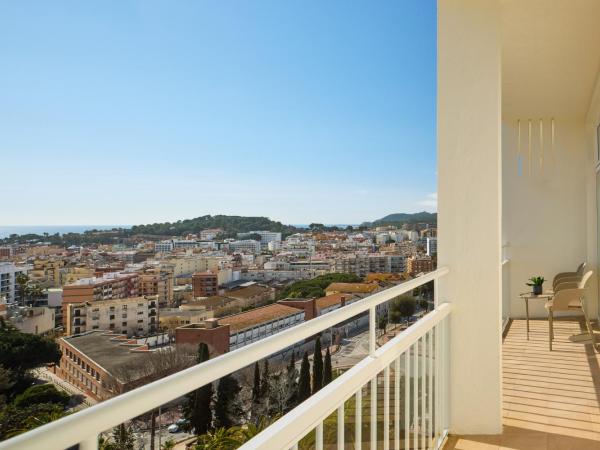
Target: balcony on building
{"points": [[518, 108]]}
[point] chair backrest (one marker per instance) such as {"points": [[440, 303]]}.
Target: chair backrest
{"points": [[585, 278], [570, 292]]}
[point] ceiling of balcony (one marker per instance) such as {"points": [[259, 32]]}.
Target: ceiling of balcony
{"points": [[550, 57]]}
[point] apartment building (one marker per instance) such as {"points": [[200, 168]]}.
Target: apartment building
{"points": [[431, 245], [155, 282], [69, 275], [6, 253], [362, 264], [265, 236], [418, 264], [46, 272], [8, 280], [164, 246], [112, 285], [246, 245], [187, 265], [205, 284], [134, 316]]}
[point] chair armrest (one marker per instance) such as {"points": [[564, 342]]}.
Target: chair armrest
{"points": [[561, 300]]}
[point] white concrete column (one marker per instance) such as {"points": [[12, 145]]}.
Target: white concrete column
{"points": [[469, 206]]}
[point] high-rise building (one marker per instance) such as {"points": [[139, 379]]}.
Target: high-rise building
{"points": [[8, 280], [431, 246]]}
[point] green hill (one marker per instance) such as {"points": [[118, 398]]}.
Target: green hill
{"points": [[399, 218]]}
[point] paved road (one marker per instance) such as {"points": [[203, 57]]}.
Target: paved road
{"points": [[353, 349]]}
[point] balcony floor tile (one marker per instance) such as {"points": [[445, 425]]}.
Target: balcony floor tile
{"points": [[551, 399]]}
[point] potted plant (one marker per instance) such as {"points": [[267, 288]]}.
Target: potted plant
{"points": [[536, 285]]}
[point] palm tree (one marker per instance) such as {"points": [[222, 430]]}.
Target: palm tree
{"points": [[252, 429], [168, 445], [220, 439]]}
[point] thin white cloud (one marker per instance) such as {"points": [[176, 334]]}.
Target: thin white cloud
{"points": [[429, 202]]}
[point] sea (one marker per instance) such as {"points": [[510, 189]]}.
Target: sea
{"points": [[6, 231]]}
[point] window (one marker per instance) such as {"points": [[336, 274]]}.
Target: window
{"points": [[124, 324]]}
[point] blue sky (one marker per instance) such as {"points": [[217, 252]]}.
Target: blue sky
{"points": [[146, 111]]}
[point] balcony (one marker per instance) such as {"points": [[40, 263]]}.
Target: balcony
{"points": [[371, 402], [551, 399]]}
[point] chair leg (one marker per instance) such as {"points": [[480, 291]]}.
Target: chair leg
{"points": [[551, 328]]}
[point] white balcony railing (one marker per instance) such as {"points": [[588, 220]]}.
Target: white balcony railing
{"points": [[419, 353]]}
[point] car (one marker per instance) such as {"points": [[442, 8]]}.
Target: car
{"points": [[173, 428], [182, 422]]}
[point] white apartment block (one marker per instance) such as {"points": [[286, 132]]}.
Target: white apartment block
{"points": [[8, 279], [246, 245], [362, 264], [431, 246], [186, 265], [164, 246], [134, 316], [265, 236], [185, 243]]}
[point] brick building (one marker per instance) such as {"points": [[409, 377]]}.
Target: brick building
{"points": [[205, 284]]}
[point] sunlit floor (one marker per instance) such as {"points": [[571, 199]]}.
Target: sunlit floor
{"points": [[551, 400]]}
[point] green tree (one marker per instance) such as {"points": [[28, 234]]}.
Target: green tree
{"points": [[424, 304], [228, 410], [20, 352], [327, 369], [317, 379], [41, 393], [402, 307], [197, 408], [220, 439], [14, 420], [169, 444], [304, 382], [265, 379], [6, 383], [292, 383], [382, 323], [122, 437], [251, 430], [256, 403]]}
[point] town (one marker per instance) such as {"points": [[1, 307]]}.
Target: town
{"points": [[126, 313]]}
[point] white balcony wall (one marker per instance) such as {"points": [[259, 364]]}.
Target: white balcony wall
{"points": [[469, 207], [545, 213], [550, 62]]}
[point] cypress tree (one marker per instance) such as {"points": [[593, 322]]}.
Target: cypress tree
{"points": [[317, 367], [292, 383], [304, 382], [264, 382], [327, 370], [197, 408], [227, 407], [256, 385]]}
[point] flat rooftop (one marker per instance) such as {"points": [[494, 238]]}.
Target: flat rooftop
{"points": [[98, 346], [257, 316]]}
